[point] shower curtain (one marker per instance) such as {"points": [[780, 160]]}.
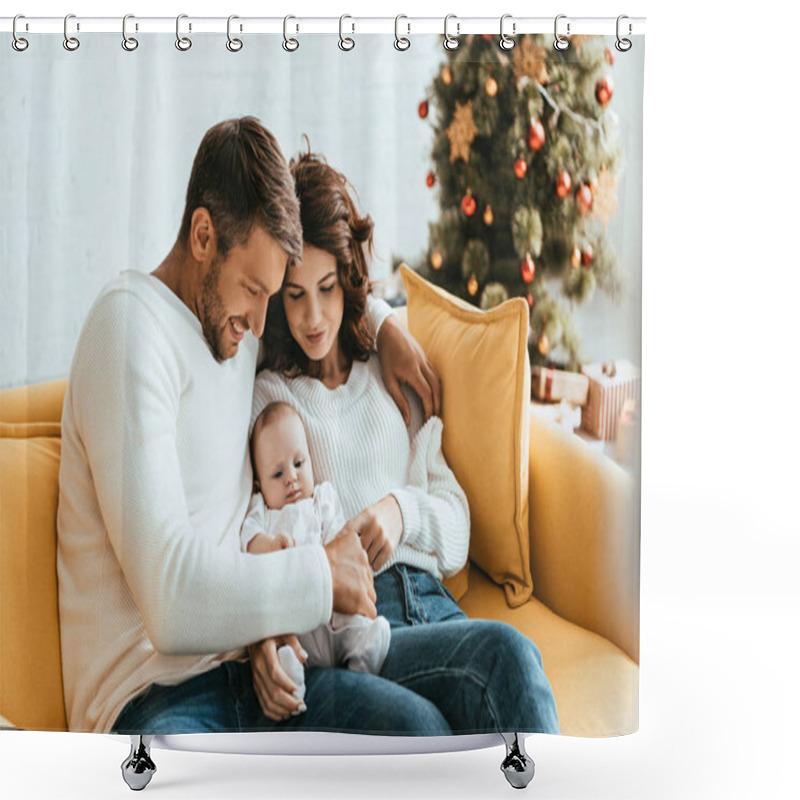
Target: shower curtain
{"points": [[503, 186]]}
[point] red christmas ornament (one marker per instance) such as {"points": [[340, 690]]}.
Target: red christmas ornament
{"points": [[527, 269], [563, 183], [604, 90], [487, 37], [583, 199], [520, 168], [587, 256], [468, 204], [609, 55], [422, 109], [529, 298], [430, 179], [536, 135]]}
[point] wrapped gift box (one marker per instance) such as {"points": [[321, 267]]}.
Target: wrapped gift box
{"points": [[558, 384], [610, 385]]}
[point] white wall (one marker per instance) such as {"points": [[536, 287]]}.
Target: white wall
{"points": [[97, 147]]}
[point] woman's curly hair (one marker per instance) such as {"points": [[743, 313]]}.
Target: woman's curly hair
{"points": [[331, 222]]}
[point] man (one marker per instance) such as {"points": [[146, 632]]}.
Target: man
{"points": [[157, 604]]}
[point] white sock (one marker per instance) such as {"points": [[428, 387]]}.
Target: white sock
{"points": [[294, 669], [369, 646]]}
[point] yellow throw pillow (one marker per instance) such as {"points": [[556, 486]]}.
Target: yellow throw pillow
{"points": [[482, 359], [31, 694]]}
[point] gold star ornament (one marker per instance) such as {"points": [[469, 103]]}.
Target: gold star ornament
{"points": [[462, 132], [530, 61]]}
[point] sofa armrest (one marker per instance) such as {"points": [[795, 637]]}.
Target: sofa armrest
{"points": [[584, 535]]}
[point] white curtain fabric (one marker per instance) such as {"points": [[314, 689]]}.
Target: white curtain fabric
{"points": [[97, 145]]}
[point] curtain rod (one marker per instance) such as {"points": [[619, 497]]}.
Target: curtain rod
{"points": [[406, 26]]}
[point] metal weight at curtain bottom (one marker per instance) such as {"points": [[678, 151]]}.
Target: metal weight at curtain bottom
{"points": [[138, 768], [517, 766]]}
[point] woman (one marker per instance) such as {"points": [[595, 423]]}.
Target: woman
{"points": [[456, 675]]}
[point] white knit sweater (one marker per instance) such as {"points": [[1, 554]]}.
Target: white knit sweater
{"points": [[154, 484], [359, 442]]}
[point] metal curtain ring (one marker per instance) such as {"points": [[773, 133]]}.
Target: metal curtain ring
{"points": [[401, 43], [451, 42], [623, 45], [18, 43], [345, 43], [70, 42], [506, 42], [560, 43], [128, 42], [289, 45], [182, 42], [234, 45]]}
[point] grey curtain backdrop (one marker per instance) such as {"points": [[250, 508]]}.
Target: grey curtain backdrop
{"points": [[96, 148]]}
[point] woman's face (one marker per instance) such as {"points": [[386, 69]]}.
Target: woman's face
{"points": [[314, 303]]}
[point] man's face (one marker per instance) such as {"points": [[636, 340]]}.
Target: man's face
{"points": [[235, 292]]}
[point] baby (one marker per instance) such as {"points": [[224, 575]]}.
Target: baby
{"points": [[287, 510]]}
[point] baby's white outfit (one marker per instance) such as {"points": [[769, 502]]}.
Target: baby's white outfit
{"points": [[350, 640]]}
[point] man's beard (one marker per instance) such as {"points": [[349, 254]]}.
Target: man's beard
{"points": [[214, 319]]}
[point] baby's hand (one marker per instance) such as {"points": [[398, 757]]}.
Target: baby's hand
{"points": [[262, 543]]}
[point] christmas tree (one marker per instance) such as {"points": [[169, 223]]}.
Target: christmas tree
{"points": [[526, 163]]}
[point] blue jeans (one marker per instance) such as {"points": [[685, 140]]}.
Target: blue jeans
{"points": [[443, 674]]}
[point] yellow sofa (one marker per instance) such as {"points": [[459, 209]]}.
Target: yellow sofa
{"points": [[584, 546]]}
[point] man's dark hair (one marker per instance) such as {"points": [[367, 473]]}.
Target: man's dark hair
{"points": [[240, 175]]}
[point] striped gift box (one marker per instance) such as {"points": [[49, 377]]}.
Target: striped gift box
{"points": [[610, 384]]}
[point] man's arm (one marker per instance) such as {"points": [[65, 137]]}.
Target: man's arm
{"points": [[403, 361], [193, 594]]}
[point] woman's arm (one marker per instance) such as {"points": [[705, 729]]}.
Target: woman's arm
{"points": [[430, 513], [434, 507]]}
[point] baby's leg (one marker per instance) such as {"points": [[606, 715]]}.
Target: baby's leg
{"points": [[319, 646], [359, 642]]}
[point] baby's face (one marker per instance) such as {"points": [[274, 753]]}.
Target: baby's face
{"points": [[282, 462]]}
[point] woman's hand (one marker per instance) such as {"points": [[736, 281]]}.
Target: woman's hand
{"points": [[380, 527], [274, 689], [404, 361]]}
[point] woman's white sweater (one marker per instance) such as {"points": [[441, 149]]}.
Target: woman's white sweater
{"points": [[359, 442]]}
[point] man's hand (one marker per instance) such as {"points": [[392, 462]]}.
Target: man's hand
{"points": [[404, 361], [353, 588], [273, 687], [379, 528], [263, 543]]}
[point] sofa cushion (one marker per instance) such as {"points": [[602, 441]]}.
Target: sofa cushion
{"points": [[482, 358], [596, 686], [39, 402], [31, 694]]}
